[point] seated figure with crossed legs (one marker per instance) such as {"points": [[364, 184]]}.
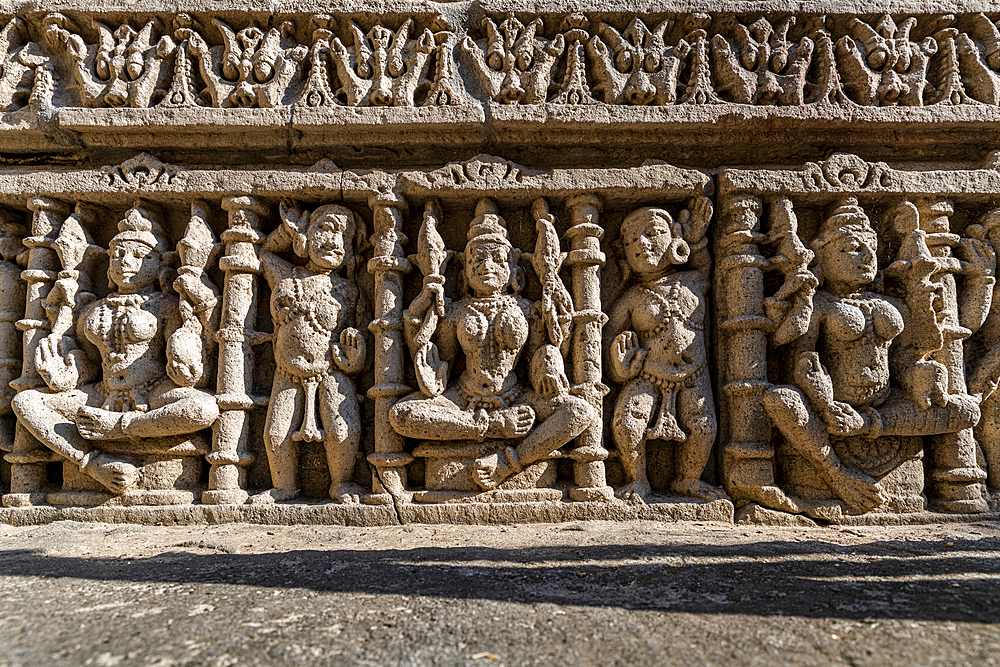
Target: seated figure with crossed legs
{"points": [[492, 327], [124, 336]]}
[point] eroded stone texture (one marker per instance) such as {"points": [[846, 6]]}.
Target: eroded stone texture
{"points": [[198, 306]]}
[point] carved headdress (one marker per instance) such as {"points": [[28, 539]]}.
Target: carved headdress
{"points": [[488, 226], [847, 218], [141, 223]]}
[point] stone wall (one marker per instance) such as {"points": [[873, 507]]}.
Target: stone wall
{"points": [[365, 263]]}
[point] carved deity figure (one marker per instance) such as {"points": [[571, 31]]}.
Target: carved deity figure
{"points": [[656, 348], [124, 340], [317, 345], [491, 325], [848, 344]]}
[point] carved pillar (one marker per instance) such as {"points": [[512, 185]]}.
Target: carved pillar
{"points": [[956, 478], [586, 259], [747, 455], [28, 458], [229, 457], [388, 266]]}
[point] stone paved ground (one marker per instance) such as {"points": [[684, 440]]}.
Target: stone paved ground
{"points": [[578, 594]]}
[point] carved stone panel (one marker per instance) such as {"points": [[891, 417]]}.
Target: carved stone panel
{"points": [[499, 262]]}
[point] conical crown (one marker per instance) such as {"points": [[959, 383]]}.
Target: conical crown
{"points": [[488, 226], [140, 224]]}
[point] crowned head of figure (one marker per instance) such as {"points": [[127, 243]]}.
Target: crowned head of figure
{"points": [[490, 264], [137, 250], [846, 247]]}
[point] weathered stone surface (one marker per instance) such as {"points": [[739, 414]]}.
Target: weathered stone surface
{"points": [[467, 262]]}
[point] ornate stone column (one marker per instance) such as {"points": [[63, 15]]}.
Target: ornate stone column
{"points": [[747, 454], [955, 476], [586, 259], [28, 458], [229, 457], [388, 266]]}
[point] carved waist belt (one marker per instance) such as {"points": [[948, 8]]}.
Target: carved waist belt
{"points": [[666, 427]]}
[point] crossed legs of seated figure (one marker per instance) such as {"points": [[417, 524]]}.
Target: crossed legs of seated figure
{"points": [[340, 420], [635, 409], [447, 417], [72, 423]]}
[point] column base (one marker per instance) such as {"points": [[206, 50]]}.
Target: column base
{"points": [[581, 494], [24, 499], [225, 497]]}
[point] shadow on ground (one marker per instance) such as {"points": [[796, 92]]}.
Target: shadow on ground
{"points": [[916, 580]]}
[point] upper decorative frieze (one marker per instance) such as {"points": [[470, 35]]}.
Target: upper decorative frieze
{"points": [[437, 59]]}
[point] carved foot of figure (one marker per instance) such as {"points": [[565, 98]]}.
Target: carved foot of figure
{"points": [[695, 488], [98, 424], [117, 475], [489, 471], [272, 496], [347, 493], [511, 423], [858, 491], [635, 492]]}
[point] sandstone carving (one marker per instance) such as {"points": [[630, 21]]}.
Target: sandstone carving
{"points": [[658, 349], [514, 63], [487, 415], [121, 431], [433, 262], [316, 348]]}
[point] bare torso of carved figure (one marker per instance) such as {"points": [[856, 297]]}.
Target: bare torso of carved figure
{"points": [[309, 310], [491, 331], [856, 333], [128, 330], [669, 315]]}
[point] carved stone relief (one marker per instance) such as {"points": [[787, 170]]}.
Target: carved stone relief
{"points": [[430, 332]]}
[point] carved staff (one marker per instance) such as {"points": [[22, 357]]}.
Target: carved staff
{"points": [[229, 457], [28, 458], [388, 266], [586, 259]]}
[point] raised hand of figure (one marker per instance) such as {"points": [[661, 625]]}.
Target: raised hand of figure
{"points": [[976, 253], [432, 373], [696, 218], [56, 362], [352, 350], [627, 355], [193, 289]]}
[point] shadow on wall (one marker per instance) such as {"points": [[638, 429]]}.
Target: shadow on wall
{"points": [[913, 580]]}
